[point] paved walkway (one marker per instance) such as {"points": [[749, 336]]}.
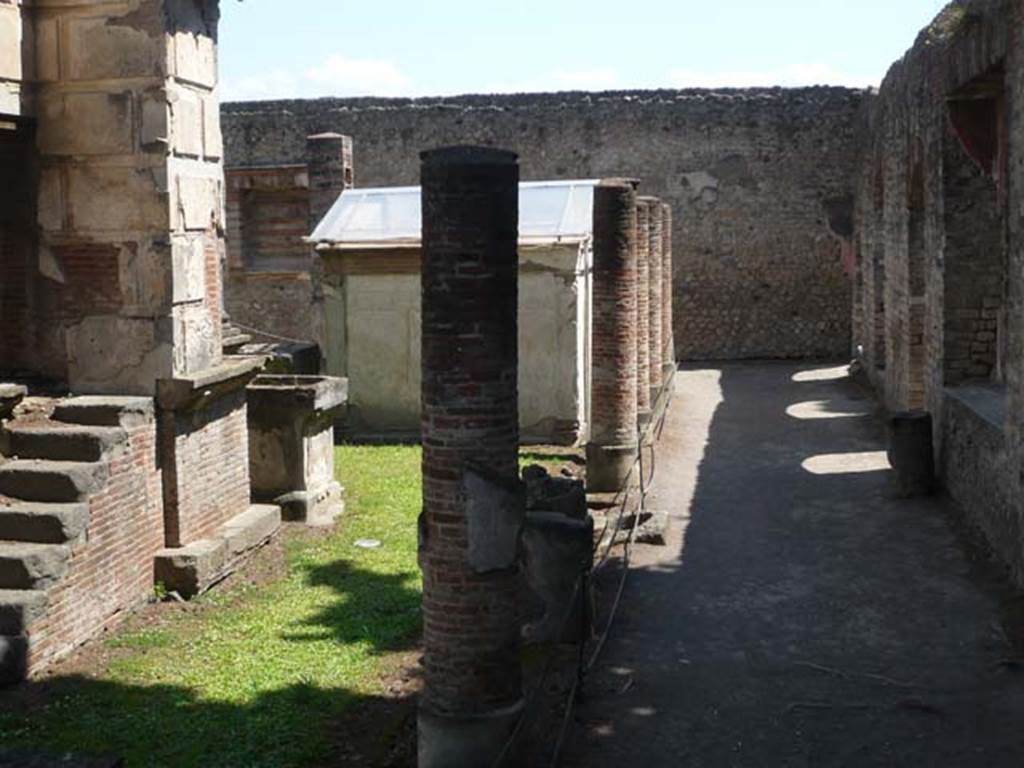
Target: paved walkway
{"points": [[800, 616]]}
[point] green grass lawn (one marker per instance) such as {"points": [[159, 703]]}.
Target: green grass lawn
{"points": [[258, 681]]}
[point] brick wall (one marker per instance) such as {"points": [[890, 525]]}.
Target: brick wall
{"points": [[941, 199], [113, 572], [205, 455], [748, 175]]}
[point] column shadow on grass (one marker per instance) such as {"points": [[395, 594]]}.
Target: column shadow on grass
{"points": [[301, 724]]}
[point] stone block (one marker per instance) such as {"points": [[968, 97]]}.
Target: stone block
{"points": [[250, 529], [191, 570], [213, 141], [188, 255], [495, 513], [314, 508], [91, 123], [186, 123], [196, 339], [558, 555], [112, 49], [196, 203], [32, 567], [119, 354], [116, 198], [156, 121], [195, 54]]}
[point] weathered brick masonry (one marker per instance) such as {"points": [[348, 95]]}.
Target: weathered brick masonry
{"points": [[939, 249], [469, 417], [113, 572], [613, 418], [750, 176], [643, 308], [655, 264]]}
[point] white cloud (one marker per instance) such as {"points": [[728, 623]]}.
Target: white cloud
{"points": [[597, 79], [788, 76], [337, 75], [359, 77]]}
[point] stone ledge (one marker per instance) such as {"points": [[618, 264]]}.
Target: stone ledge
{"points": [[193, 569], [196, 391]]}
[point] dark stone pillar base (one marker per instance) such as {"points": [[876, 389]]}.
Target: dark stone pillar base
{"points": [[608, 466], [476, 741], [911, 453]]}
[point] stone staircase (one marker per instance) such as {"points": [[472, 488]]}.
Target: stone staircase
{"points": [[49, 469]]}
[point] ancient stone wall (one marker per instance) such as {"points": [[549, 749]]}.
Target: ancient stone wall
{"points": [[753, 177], [940, 248]]}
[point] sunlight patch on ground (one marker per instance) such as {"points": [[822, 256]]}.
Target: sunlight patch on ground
{"points": [[828, 409], [823, 374], [847, 463]]}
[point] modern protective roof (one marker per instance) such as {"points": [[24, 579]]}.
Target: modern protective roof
{"points": [[550, 212]]}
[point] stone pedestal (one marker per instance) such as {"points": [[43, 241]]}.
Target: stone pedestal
{"points": [[291, 445]]}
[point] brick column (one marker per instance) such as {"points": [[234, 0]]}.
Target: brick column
{"points": [[472, 506], [329, 163], [643, 311], [331, 171], [667, 290], [655, 351], [613, 433]]}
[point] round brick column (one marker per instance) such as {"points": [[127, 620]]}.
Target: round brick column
{"points": [[473, 692], [667, 289], [655, 351], [613, 434], [643, 311]]}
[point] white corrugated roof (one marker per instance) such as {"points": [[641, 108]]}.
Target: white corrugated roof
{"points": [[549, 212]]}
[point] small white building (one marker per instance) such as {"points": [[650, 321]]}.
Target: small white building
{"points": [[370, 245]]}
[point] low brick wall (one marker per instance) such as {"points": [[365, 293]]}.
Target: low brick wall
{"points": [[113, 572], [206, 467]]}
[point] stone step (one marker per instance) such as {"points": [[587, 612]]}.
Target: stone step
{"points": [[13, 663], [59, 441], [44, 523], [51, 481], [32, 566], [97, 411], [19, 608]]}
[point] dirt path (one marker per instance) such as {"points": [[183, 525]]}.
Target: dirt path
{"points": [[800, 615]]}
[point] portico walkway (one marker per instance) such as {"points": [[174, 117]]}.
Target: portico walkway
{"points": [[800, 616]]}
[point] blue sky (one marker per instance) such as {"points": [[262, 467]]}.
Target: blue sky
{"points": [[309, 48]]}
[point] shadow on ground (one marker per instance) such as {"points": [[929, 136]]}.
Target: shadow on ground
{"points": [[301, 724], [801, 616]]}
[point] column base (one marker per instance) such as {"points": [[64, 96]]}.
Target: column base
{"points": [[468, 741], [608, 466], [318, 509]]}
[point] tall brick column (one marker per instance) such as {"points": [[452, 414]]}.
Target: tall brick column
{"points": [[329, 163], [643, 311], [613, 434], [472, 506], [667, 290], [655, 351]]}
